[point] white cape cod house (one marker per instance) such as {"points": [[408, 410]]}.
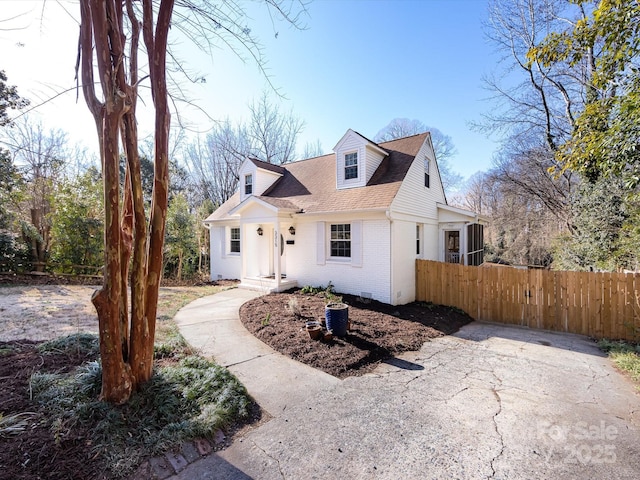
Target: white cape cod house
{"points": [[358, 218]]}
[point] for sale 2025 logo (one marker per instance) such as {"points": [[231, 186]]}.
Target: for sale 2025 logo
{"points": [[580, 443]]}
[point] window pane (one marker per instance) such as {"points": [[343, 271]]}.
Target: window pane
{"points": [[351, 165], [234, 244], [341, 240]]}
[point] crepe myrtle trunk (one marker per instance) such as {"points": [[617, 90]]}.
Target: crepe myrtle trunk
{"points": [[126, 343]]}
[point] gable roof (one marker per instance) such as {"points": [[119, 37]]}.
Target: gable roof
{"points": [[369, 143], [267, 166], [310, 185]]}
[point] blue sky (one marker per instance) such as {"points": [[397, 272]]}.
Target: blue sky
{"points": [[358, 64]]}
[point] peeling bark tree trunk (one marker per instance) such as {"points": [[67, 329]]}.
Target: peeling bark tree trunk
{"points": [[126, 348], [142, 335]]}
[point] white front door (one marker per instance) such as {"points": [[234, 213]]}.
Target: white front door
{"points": [[277, 244]]}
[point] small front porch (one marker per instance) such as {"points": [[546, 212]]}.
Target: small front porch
{"points": [[268, 284], [266, 232]]}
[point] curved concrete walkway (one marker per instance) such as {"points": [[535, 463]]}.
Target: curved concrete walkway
{"points": [[212, 325], [491, 401]]}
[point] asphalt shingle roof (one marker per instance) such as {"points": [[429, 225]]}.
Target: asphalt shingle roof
{"points": [[310, 185]]}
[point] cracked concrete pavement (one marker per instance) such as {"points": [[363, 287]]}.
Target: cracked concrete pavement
{"points": [[492, 401]]}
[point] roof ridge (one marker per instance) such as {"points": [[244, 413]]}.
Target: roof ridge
{"points": [[267, 165], [426, 132]]}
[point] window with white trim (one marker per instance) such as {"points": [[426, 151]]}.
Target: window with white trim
{"points": [[234, 240], [351, 165], [341, 240], [426, 172], [417, 239], [248, 184]]}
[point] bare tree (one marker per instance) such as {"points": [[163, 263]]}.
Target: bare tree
{"points": [[312, 149], [443, 147], [214, 162], [528, 97], [534, 107], [272, 134], [110, 33]]}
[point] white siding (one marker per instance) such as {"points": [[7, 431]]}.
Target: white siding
{"points": [[372, 277], [374, 159], [431, 242], [403, 257], [413, 198], [351, 143], [262, 179], [247, 168], [223, 265], [369, 159]]}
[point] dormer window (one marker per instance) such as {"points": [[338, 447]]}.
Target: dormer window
{"points": [[248, 184], [426, 172], [351, 165]]}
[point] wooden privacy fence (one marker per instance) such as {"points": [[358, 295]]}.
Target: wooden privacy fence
{"points": [[601, 305]]}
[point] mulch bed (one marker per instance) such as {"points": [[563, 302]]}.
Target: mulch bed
{"points": [[35, 453], [378, 331]]}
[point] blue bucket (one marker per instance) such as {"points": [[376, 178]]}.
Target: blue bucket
{"points": [[337, 316]]}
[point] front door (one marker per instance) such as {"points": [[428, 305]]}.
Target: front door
{"points": [[280, 244]]}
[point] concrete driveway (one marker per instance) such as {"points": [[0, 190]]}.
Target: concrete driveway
{"points": [[490, 402]]}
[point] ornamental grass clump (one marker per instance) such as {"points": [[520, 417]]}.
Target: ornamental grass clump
{"points": [[188, 398]]}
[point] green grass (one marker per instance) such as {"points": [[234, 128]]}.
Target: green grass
{"points": [[78, 343], [170, 343], [192, 398], [187, 397], [173, 299], [625, 355]]}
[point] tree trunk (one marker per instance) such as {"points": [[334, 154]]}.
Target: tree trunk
{"points": [[98, 21], [142, 336], [117, 382]]}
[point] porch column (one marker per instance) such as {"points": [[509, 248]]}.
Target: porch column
{"points": [[243, 251], [276, 253]]}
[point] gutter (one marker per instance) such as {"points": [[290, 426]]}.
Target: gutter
{"points": [[337, 212]]}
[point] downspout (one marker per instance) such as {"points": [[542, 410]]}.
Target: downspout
{"points": [[388, 215]]}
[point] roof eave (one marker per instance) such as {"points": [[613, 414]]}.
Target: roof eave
{"points": [[460, 211], [335, 212]]}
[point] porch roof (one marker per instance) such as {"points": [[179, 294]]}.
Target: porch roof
{"points": [[466, 214], [277, 205]]}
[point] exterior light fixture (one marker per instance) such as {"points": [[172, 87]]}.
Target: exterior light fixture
{"points": [[259, 230], [292, 230]]}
